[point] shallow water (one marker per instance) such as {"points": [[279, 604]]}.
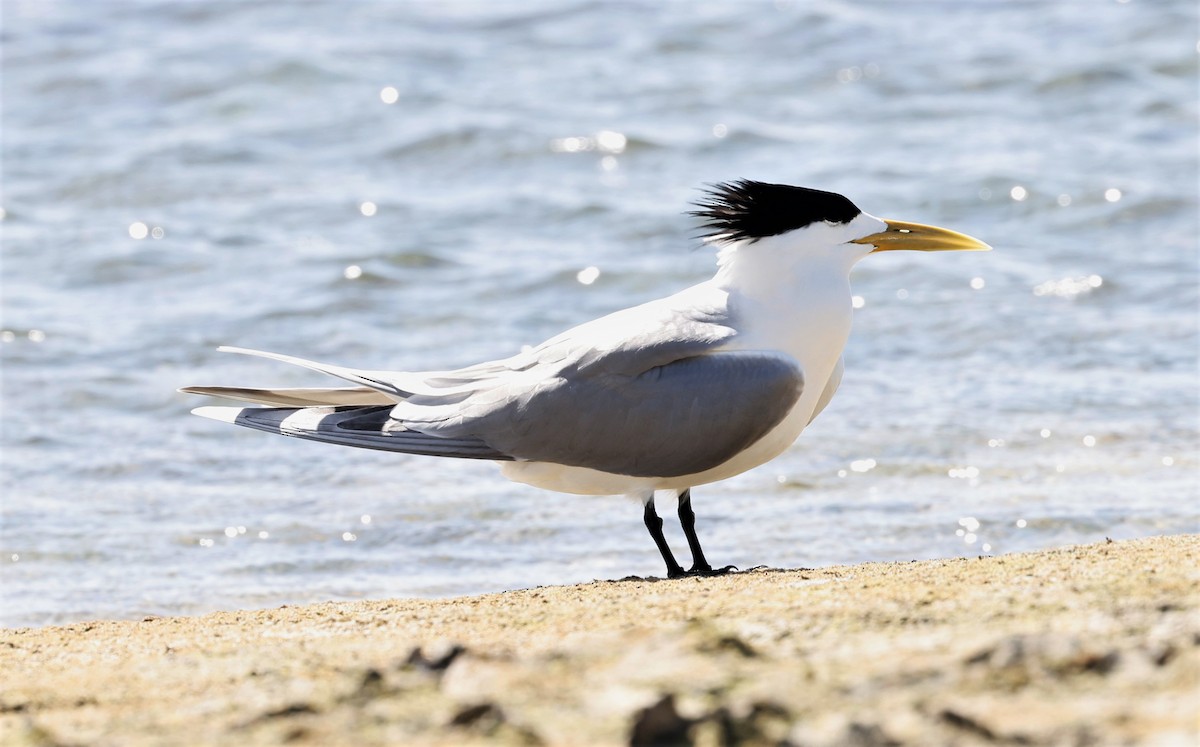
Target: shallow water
{"points": [[393, 185]]}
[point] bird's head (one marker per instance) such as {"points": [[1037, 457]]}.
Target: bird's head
{"points": [[747, 212]]}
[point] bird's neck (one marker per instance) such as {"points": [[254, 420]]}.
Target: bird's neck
{"points": [[773, 271], [797, 302]]}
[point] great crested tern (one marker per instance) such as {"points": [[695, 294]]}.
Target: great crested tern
{"points": [[682, 391]]}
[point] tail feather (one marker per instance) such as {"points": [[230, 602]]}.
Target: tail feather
{"points": [[368, 427], [307, 397], [373, 379], [399, 384]]}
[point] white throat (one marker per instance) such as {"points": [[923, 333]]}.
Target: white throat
{"points": [[798, 275]]}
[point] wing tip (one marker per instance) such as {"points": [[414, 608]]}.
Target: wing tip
{"points": [[222, 414]]}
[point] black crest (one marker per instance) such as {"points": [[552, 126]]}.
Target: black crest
{"points": [[750, 210]]}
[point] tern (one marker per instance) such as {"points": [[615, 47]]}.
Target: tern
{"points": [[682, 391]]}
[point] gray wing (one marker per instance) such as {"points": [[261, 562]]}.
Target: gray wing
{"points": [[652, 391], [677, 418]]}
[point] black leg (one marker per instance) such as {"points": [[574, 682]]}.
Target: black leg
{"points": [[687, 518], [654, 524]]}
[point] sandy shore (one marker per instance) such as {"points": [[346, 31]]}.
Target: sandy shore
{"points": [[1096, 644]]}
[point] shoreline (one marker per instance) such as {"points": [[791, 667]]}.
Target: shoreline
{"points": [[1092, 644]]}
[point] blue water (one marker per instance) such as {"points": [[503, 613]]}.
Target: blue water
{"points": [[1043, 394]]}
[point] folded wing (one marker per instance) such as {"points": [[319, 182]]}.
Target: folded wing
{"points": [[680, 418], [659, 391]]}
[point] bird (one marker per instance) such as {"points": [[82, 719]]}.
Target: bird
{"points": [[661, 397]]}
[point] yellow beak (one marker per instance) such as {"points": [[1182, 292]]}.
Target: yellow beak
{"points": [[901, 235]]}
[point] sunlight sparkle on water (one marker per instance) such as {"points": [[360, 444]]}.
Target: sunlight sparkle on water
{"points": [[368, 209], [569, 144], [139, 230], [1112, 194], [862, 465], [720, 130], [977, 283], [858, 302], [968, 530], [1069, 287], [588, 275], [605, 141], [365, 518], [611, 142], [349, 536], [352, 272], [1168, 461], [850, 74], [1021, 523], [36, 335], [1018, 193], [389, 95], [1064, 200]]}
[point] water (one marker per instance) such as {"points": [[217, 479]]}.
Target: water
{"points": [[1039, 395]]}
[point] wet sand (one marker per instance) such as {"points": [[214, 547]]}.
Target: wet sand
{"points": [[1096, 644]]}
